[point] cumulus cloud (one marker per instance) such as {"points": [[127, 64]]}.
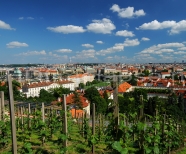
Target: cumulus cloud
{"points": [[16, 44], [116, 48], [90, 53], [178, 27], [162, 48], [127, 12], [67, 29], [87, 45], [145, 39], [180, 52], [4, 25], [155, 25], [175, 27], [99, 42], [64, 50], [133, 42], [104, 26], [33, 53], [125, 33], [182, 48]]}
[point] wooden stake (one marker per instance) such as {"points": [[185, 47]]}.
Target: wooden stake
{"points": [[22, 118], [29, 121], [43, 112], [115, 95], [0, 110], [12, 115], [65, 119], [2, 105], [93, 127], [83, 124]]}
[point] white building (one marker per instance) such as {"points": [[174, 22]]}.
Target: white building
{"points": [[33, 89], [81, 78]]}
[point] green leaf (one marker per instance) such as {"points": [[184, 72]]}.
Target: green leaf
{"points": [[124, 151], [148, 150], [117, 146], [131, 99], [156, 150]]}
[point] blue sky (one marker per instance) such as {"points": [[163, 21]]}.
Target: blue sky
{"points": [[126, 31]]}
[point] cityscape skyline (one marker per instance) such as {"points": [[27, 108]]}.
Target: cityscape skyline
{"points": [[92, 31]]}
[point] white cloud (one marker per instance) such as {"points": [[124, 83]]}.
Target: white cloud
{"points": [[16, 44], [21, 18], [162, 48], [67, 29], [99, 42], [127, 12], [104, 26], [87, 45], [182, 48], [32, 53], [85, 54], [145, 39], [54, 55], [64, 50], [175, 27], [179, 52], [4, 25], [155, 25], [178, 27], [125, 33], [116, 48], [30, 18], [133, 42]]}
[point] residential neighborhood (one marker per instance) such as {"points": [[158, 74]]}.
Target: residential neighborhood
{"points": [[75, 77]]}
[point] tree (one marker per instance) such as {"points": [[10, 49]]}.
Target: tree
{"points": [[93, 96], [77, 100], [133, 80], [50, 76], [145, 73], [58, 92], [82, 85], [100, 105], [45, 96], [90, 93]]}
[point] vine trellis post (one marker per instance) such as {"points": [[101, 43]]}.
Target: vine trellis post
{"points": [[64, 119], [12, 115]]}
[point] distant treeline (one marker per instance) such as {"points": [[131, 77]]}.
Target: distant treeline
{"points": [[21, 65]]}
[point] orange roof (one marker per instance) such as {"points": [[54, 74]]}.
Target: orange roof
{"points": [[123, 87], [70, 97], [165, 72], [2, 83], [78, 113]]}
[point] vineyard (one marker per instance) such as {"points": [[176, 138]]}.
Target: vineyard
{"points": [[143, 127], [43, 132]]}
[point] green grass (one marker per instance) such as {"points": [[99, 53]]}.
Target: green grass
{"points": [[101, 84]]}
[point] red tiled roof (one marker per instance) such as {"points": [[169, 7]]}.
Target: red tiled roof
{"points": [[76, 112], [70, 97], [123, 87], [2, 83]]}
